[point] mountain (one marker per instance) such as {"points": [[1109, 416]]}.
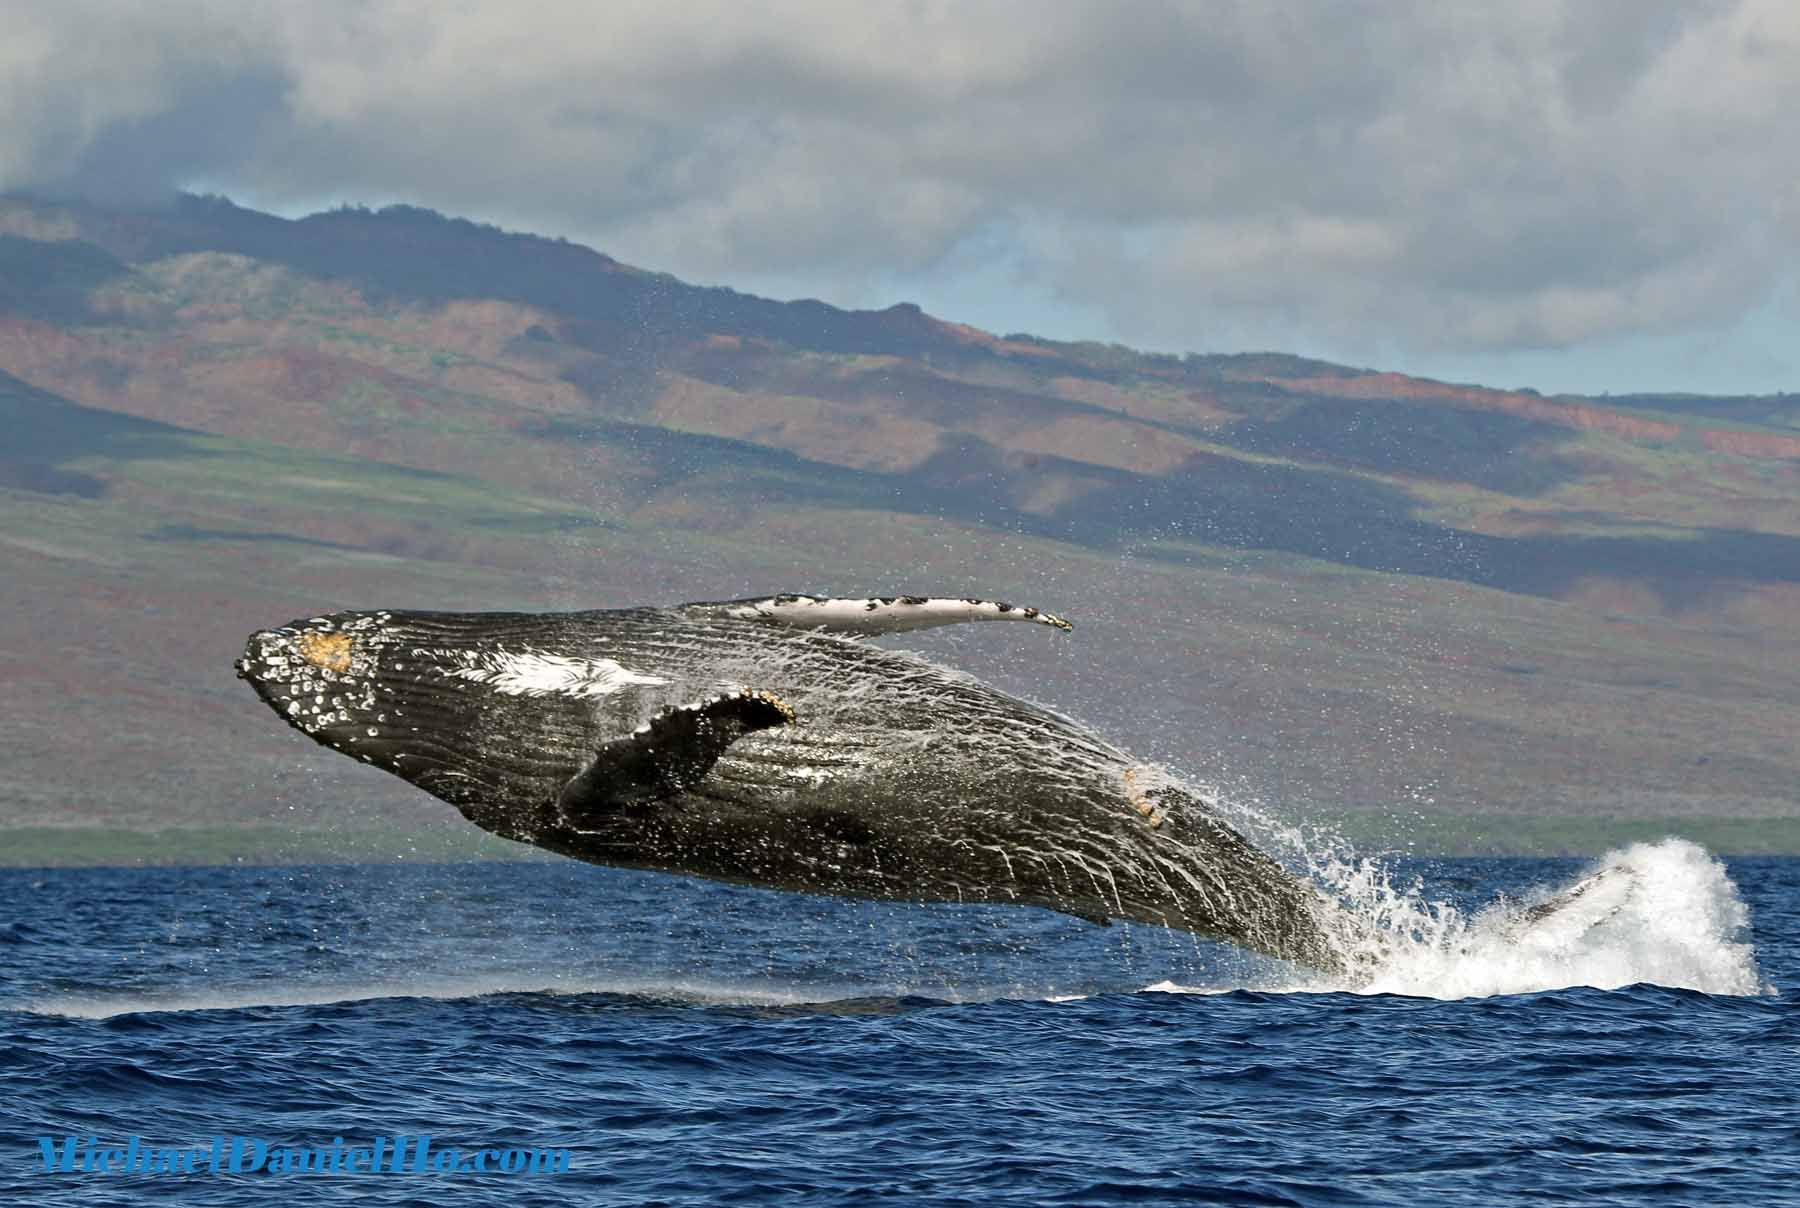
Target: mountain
{"points": [[1520, 620]]}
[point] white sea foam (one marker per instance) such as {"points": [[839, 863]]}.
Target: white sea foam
{"points": [[105, 1006], [1664, 913]]}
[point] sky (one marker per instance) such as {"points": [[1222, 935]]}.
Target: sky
{"points": [[1589, 196]]}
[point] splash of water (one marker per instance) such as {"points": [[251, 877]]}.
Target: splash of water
{"points": [[1664, 913]]}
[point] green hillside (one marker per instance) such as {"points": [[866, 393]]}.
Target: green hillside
{"points": [[1464, 619]]}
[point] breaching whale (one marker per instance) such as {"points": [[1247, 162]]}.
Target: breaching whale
{"points": [[763, 741]]}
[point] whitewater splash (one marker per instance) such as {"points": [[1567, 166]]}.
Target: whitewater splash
{"points": [[682, 991], [1663, 913]]}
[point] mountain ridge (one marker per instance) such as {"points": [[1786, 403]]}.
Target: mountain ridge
{"points": [[343, 416]]}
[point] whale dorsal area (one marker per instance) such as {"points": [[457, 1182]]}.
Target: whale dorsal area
{"points": [[665, 756], [870, 616]]}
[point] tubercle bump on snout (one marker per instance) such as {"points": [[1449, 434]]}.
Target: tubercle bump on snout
{"points": [[320, 675]]}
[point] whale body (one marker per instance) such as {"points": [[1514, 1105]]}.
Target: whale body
{"points": [[767, 742]]}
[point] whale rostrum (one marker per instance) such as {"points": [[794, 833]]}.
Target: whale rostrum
{"points": [[763, 741]]}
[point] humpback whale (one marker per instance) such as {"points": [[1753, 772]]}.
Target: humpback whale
{"points": [[765, 741]]}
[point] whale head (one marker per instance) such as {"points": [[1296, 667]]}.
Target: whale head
{"points": [[494, 719], [320, 675]]}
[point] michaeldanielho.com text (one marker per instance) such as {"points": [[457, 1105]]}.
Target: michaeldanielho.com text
{"points": [[252, 1155]]}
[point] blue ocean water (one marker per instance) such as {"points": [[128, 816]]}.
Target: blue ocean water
{"points": [[693, 1043]]}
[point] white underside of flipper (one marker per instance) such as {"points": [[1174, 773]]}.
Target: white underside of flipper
{"points": [[1583, 906], [874, 615]]}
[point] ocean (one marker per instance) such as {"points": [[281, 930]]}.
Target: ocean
{"points": [[648, 1039]]}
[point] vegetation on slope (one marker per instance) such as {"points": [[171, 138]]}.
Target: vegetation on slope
{"points": [[1396, 603]]}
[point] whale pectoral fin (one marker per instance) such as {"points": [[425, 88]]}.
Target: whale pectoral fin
{"points": [[1586, 904], [668, 755], [870, 616]]}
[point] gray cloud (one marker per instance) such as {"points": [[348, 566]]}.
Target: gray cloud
{"points": [[1474, 175]]}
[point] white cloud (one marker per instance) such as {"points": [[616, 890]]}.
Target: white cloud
{"points": [[1469, 174]]}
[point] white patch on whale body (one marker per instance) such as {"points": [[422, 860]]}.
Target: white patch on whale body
{"points": [[533, 673]]}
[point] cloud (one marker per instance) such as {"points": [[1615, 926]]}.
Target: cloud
{"points": [[1475, 176]]}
